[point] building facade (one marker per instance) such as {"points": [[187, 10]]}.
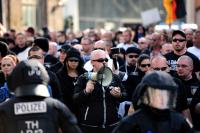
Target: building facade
{"points": [[82, 14], [20, 14]]}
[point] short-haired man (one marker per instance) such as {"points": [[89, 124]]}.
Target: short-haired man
{"points": [[143, 45], [166, 48], [179, 49], [196, 48], [102, 46], [98, 104], [189, 36], [127, 34], [87, 45], [190, 81]]}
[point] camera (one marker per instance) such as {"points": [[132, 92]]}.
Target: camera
{"points": [[116, 50]]}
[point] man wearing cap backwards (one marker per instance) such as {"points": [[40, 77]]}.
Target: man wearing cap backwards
{"points": [[32, 110], [156, 114], [179, 49], [98, 104]]}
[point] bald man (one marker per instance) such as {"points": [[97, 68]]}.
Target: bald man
{"points": [[190, 81], [98, 104]]}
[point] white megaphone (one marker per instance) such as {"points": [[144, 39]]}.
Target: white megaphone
{"points": [[104, 76]]}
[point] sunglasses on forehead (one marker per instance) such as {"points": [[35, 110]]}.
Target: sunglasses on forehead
{"points": [[180, 40], [101, 60]]}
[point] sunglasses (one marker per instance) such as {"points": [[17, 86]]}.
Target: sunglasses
{"points": [[35, 57], [133, 56], [145, 65], [141, 42], [180, 40], [101, 60], [160, 69]]}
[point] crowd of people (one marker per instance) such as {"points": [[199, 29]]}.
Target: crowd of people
{"points": [[155, 84]]}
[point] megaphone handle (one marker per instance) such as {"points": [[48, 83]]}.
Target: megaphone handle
{"points": [[102, 76], [115, 63]]}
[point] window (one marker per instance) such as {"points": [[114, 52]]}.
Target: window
{"points": [[29, 12]]}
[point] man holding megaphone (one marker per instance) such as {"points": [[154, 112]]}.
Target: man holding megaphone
{"points": [[97, 96]]}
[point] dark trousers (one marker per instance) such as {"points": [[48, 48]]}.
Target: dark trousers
{"points": [[87, 129]]}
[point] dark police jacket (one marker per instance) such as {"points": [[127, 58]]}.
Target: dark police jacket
{"points": [[152, 120], [35, 114]]}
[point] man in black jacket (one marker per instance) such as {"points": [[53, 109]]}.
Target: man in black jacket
{"points": [[32, 110], [98, 104], [191, 83]]}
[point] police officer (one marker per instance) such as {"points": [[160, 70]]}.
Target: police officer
{"points": [[32, 110], [157, 93]]}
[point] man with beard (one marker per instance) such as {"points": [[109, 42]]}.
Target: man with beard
{"points": [[98, 104], [179, 49], [131, 55]]}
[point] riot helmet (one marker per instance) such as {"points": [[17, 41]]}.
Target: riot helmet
{"points": [[29, 78]]}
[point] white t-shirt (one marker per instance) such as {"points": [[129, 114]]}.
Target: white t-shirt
{"points": [[194, 50], [24, 54], [126, 46]]}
